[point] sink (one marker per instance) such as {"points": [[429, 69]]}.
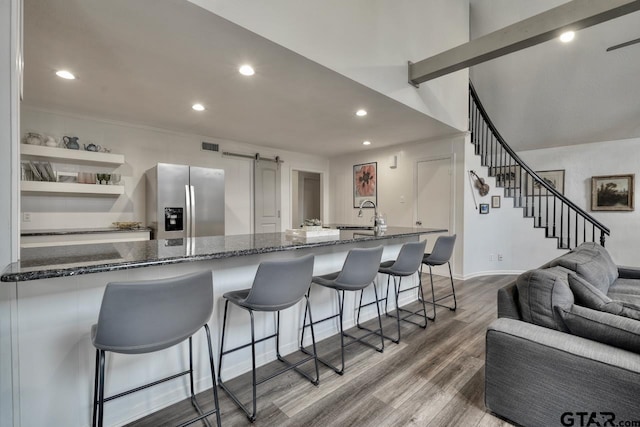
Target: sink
{"points": [[354, 227], [365, 234]]}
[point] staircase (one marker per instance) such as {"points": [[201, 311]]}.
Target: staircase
{"points": [[558, 216]]}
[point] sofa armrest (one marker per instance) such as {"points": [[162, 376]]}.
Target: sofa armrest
{"points": [[533, 375], [508, 305], [628, 272]]}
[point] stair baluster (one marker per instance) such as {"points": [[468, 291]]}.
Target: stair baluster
{"points": [[516, 177]]}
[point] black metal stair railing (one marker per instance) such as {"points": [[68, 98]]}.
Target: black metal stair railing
{"points": [[560, 217]]}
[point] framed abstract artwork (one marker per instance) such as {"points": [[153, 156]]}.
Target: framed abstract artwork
{"points": [[612, 193], [365, 184]]}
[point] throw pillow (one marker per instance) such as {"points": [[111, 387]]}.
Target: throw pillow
{"points": [[603, 327], [589, 296], [539, 291]]}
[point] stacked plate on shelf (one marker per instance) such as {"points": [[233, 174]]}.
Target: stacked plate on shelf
{"points": [[37, 171]]}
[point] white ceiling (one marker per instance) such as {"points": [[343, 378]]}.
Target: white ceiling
{"points": [[148, 61], [557, 94]]}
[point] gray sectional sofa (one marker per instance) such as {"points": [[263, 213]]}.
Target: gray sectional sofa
{"points": [[565, 349]]}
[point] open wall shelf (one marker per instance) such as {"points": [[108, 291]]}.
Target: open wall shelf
{"points": [[65, 155], [43, 188]]}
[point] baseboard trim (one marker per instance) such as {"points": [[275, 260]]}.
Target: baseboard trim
{"points": [[490, 273]]}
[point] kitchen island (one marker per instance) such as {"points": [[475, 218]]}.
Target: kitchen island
{"points": [[56, 294]]}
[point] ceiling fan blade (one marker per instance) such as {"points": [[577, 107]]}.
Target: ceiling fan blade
{"points": [[625, 44]]}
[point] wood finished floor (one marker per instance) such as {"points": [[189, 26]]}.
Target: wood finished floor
{"points": [[434, 377]]}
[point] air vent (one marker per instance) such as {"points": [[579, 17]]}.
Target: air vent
{"points": [[209, 146]]}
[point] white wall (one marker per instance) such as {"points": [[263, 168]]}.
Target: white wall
{"points": [[369, 41], [143, 147], [503, 231], [580, 163], [397, 187]]}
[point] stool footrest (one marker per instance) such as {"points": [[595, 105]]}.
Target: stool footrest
{"points": [[411, 313], [247, 345], [142, 387], [315, 322]]}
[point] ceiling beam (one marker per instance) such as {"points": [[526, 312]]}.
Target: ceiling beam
{"points": [[574, 15]]}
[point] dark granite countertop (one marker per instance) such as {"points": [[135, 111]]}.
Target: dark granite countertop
{"points": [[80, 231], [61, 261]]}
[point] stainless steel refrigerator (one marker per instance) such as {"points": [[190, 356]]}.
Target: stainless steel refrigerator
{"points": [[185, 201]]}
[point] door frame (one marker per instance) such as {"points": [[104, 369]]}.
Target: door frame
{"points": [[452, 181], [323, 188]]}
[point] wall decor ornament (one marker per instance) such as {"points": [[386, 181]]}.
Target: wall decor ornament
{"points": [[365, 183], [484, 208], [612, 193], [495, 201], [554, 178]]}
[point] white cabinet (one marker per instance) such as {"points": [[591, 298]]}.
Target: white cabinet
{"points": [[63, 155]]}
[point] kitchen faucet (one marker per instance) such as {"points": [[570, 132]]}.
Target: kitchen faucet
{"points": [[375, 212]]}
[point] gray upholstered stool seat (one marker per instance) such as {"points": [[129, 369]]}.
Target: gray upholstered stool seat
{"points": [[441, 254], [407, 264], [148, 316], [277, 286], [358, 272]]}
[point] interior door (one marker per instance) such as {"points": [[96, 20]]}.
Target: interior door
{"points": [[434, 198], [266, 197]]}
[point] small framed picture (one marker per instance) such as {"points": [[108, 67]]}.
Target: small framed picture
{"points": [[612, 193], [554, 178], [495, 201], [484, 208]]}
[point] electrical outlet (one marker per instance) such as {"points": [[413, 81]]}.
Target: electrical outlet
{"points": [[26, 217], [499, 257]]}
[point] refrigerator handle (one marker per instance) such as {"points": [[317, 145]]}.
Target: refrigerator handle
{"points": [[187, 196], [193, 212]]}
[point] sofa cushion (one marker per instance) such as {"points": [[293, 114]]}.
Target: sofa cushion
{"points": [[591, 264], [589, 296], [627, 290], [603, 327], [539, 291]]}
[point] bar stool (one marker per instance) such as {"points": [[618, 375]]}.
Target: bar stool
{"points": [[359, 270], [277, 285], [149, 316], [407, 264], [442, 251]]}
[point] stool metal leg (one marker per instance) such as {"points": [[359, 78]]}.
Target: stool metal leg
{"points": [[101, 390], [379, 330], [95, 389], [434, 300], [433, 296], [397, 288], [254, 381], [213, 376]]}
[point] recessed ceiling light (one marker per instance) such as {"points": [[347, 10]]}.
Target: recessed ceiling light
{"points": [[366, 143], [65, 74], [567, 36], [198, 107], [247, 70], [361, 113]]}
